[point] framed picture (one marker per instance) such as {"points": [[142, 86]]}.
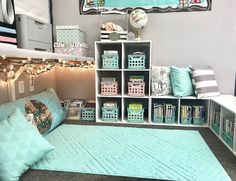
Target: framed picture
{"points": [[7, 23], [149, 6]]}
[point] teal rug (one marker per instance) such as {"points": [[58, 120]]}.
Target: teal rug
{"points": [[132, 152]]}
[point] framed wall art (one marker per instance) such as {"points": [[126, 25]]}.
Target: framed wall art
{"points": [[149, 6]]}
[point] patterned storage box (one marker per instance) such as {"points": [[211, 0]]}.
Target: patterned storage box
{"points": [[215, 127], [113, 35], [109, 89], [135, 116], [136, 61], [76, 51], [158, 119], [68, 34], [110, 62], [88, 114], [136, 89], [110, 114]]}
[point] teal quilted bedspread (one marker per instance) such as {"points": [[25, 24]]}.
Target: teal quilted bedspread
{"points": [[133, 152]]}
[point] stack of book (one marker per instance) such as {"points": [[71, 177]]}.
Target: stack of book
{"points": [[110, 105], [199, 112], [186, 114], [158, 110], [136, 79], [228, 126], [169, 110], [216, 117]]}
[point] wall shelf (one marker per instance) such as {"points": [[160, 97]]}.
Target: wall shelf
{"points": [[24, 53], [24, 57]]}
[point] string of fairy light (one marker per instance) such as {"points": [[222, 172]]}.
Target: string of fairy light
{"points": [[36, 66]]}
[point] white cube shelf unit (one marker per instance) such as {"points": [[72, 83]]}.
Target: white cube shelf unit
{"points": [[122, 75], [223, 120]]}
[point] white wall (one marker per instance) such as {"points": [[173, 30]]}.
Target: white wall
{"points": [[199, 39]]}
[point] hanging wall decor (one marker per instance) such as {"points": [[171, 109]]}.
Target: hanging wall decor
{"points": [[149, 6]]}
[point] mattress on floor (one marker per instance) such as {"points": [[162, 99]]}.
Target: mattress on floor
{"points": [[132, 152]]}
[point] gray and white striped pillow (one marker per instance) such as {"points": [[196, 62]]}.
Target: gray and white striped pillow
{"points": [[205, 83]]}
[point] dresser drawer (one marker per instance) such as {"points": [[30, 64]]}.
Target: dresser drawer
{"points": [[39, 31], [39, 46]]}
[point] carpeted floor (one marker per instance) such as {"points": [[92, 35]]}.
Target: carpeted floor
{"points": [[227, 159]]}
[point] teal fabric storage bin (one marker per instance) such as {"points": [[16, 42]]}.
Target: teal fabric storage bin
{"points": [[136, 61], [135, 116], [198, 121], [215, 127], [230, 140], [88, 114], [110, 62], [186, 121], [169, 119], [227, 138], [157, 119], [224, 136], [70, 34], [110, 114]]}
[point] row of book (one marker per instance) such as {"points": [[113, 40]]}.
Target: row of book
{"points": [[167, 110], [194, 112], [216, 117], [74, 106], [228, 123], [228, 126]]}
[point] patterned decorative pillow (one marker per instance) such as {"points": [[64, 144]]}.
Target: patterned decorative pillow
{"points": [[161, 84], [38, 115], [205, 83]]}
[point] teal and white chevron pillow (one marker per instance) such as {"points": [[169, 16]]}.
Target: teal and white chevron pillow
{"points": [[20, 146]]}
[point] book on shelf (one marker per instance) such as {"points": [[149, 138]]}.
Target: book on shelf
{"points": [[158, 110], [186, 112], [228, 126], [199, 112], [216, 117], [169, 110]]}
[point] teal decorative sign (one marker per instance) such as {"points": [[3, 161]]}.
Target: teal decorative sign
{"points": [[150, 6]]}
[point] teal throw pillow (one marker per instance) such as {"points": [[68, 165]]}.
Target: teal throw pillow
{"points": [[21, 146], [181, 81]]}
